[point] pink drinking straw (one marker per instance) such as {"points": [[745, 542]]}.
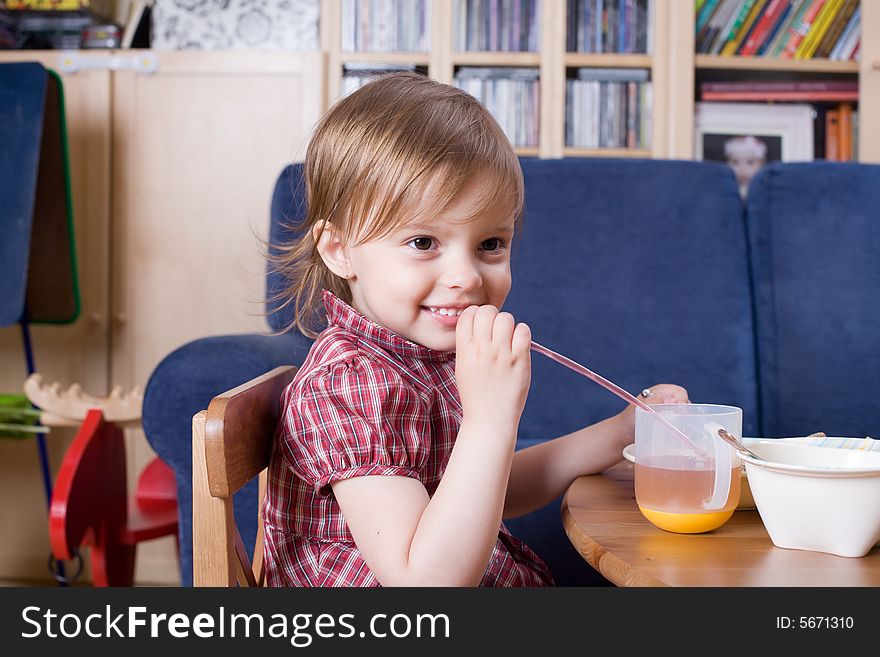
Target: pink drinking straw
{"points": [[617, 390]]}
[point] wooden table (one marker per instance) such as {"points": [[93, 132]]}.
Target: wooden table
{"points": [[604, 524]]}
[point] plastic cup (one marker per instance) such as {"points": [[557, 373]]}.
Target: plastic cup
{"points": [[677, 489]]}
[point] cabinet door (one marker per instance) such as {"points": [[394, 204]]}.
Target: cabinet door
{"points": [[197, 148], [68, 353]]}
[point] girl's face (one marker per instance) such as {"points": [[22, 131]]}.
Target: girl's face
{"points": [[417, 279]]}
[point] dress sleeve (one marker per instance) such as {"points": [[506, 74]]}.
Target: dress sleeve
{"points": [[355, 418]]}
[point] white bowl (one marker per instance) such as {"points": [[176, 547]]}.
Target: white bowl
{"points": [[824, 499]]}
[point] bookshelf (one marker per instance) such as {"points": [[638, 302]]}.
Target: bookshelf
{"points": [[549, 60], [672, 63]]}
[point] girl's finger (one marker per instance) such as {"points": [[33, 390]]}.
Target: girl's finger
{"points": [[522, 339], [502, 330], [464, 327], [484, 319]]}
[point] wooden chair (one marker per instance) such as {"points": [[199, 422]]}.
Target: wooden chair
{"points": [[90, 504], [232, 443]]}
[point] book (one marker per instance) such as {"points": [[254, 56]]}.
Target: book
{"points": [[762, 27], [844, 123], [782, 38], [615, 74], [705, 13], [138, 12], [850, 32], [855, 135], [751, 17], [835, 28], [778, 30], [808, 46], [739, 17], [716, 25], [801, 28], [790, 90], [753, 26], [832, 135]]}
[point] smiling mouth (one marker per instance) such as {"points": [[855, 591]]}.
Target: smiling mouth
{"points": [[447, 312]]}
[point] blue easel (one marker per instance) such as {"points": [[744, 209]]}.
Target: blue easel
{"points": [[38, 274]]}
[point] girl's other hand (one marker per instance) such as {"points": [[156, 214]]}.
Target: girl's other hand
{"points": [[493, 364], [661, 393]]}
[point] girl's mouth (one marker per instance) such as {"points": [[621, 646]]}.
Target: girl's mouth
{"points": [[445, 316]]}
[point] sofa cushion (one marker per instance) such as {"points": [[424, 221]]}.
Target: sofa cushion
{"points": [[638, 270], [814, 230]]}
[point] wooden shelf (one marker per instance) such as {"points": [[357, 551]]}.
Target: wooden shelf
{"points": [[485, 58], [526, 151], [607, 60], [417, 58], [774, 64], [606, 152]]}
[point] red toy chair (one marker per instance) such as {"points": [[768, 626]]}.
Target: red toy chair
{"points": [[90, 503]]}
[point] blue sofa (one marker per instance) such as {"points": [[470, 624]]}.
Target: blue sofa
{"points": [[647, 271]]}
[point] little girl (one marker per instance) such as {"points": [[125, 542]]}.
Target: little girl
{"points": [[394, 463]]}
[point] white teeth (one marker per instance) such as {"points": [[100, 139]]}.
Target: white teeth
{"points": [[445, 311]]}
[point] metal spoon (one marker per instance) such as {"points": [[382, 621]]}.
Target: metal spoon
{"points": [[731, 440]]}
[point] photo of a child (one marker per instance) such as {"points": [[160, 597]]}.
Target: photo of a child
{"points": [[745, 154]]}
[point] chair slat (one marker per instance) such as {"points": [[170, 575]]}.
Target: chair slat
{"points": [[239, 429]]}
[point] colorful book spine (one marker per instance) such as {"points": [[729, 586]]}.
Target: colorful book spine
{"points": [[852, 28], [751, 17], [762, 27], [811, 41], [705, 13], [832, 135], [739, 20], [777, 29], [781, 90], [790, 96], [786, 31], [800, 30], [835, 29], [844, 116], [722, 35], [752, 27]]}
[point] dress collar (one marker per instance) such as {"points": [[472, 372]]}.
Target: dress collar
{"points": [[343, 315]]}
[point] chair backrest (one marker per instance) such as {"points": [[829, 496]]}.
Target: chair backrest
{"points": [[232, 443]]}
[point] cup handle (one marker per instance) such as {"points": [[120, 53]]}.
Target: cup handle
{"points": [[723, 465]]}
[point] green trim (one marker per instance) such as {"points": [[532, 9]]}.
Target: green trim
{"points": [[69, 202]]}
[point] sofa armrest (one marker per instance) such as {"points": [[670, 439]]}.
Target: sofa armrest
{"points": [[184, 383]]}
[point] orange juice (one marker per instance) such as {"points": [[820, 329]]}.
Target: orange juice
{"points": [[673, 498]]}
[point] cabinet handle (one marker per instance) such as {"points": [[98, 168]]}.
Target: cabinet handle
{"points": [[120, 318], [71, 61]]}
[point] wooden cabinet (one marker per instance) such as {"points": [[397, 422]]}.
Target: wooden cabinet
{"points": [[671, 61], [172, 175]]}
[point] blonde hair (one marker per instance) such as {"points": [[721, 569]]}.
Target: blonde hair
{"points": [[374, 159]]}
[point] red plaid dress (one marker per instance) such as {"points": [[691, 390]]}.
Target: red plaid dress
{"points": [[364, 402]]}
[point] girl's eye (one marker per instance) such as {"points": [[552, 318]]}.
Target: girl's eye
{"points": [[492, 244], [421, 243]]}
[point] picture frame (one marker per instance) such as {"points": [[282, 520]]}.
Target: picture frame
{"points": [[749, 135]]}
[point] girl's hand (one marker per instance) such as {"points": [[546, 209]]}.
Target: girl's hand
{"points": [[662, 393], [493, 364]]}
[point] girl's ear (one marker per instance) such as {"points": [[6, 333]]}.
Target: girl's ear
{"points": [[332, 249]]}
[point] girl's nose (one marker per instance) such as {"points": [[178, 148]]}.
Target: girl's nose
{"points": [[462, 273]]}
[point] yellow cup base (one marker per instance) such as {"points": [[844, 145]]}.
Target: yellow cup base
{"points": [[686, 523]]}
